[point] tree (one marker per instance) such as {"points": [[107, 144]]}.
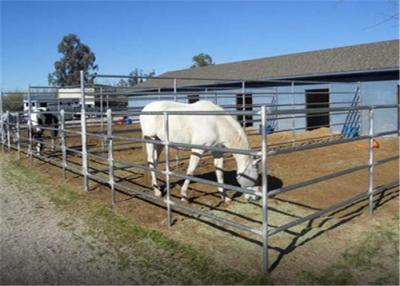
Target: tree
{"points": [[135, 79], [201, 60], [13, 101], [76, 57]]}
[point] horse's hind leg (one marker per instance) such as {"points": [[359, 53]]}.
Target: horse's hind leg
{"points": [[219, 172], [194, 161], [153, 153]]}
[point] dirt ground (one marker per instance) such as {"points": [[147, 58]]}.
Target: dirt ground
{"points": [[51, 235], [306, 250]]}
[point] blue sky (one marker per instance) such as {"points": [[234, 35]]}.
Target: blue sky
{"points": [[164, 35]]}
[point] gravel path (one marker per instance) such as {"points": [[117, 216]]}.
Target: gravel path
{"points": [[41, 243], [38, 246]]}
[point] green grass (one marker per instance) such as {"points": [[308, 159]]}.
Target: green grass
{"points": [[63, 196], [116, 225], [380, 245]]}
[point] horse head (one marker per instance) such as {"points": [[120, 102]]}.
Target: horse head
{"points": [[250, 177]]}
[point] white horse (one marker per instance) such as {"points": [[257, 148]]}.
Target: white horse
{"points": [[205, 130], [38, 120]]}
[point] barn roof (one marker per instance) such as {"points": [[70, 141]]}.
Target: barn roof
{"points": [[350, 59]]}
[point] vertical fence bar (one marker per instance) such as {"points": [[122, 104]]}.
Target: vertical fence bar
{"points": [[293, 116], [398, 109], [2, 122], [167, 163], [175, 89], [84, 135], [111, 180], [360, 102], [30, 126], [8, 131], [107, 102], [264, 178], [63, 148], [371, 161], [243, 103], [101, 118], [18, 135]]}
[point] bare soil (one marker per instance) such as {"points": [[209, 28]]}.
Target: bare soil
{"points": [[307, 249]]}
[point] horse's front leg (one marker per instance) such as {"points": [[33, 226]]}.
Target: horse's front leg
{"points": [[153, 153], [39, 145], [219, 172], [194, 161], [53, 146]]}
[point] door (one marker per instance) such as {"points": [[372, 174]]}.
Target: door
{"points": [[248, 106], [317, 98]]}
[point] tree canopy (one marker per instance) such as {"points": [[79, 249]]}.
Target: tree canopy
{"points": [[76, 57], [201, 60], [134, 81], [13, 101]]}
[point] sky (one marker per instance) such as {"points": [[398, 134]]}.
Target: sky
{"points": [[164, 35]]}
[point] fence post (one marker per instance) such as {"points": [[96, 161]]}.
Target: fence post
{"points": [[175, 89], [293, 116], [264, 177], [398, 109], [63, 148], [2, 122], [243, 103], [167, 170], [30, 126], [84, 136], [371, 161], [8, 131], [2, 133], [102, 118], [111, 180], [18, 136]]}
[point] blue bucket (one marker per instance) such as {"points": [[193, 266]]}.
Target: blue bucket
{"points": [[268, 129]]}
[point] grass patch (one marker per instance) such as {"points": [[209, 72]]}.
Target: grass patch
{"points": [[373, 261], [63, 196], [203, 266], [175, 261]]}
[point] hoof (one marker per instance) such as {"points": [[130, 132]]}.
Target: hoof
{"points": [[250, 198], [228, 200], [158, 194], [184, 200]]}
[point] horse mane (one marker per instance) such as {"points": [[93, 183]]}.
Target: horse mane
{"points": [[240, 140]]}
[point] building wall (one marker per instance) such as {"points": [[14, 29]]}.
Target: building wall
{"points": [[372, 93]]}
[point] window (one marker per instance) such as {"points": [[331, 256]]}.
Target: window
{"points": [[193, 98]]}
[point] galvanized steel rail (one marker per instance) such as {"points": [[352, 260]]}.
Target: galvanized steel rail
{"points": [[264, 231]]}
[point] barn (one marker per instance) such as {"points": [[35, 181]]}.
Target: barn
{"points": [[303, 175], [365, 74]]}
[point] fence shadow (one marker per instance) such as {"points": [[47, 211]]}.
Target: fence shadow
{"points": [[342, 215]]}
